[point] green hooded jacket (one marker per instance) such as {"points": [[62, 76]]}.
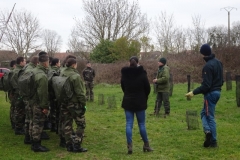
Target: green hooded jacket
{"points": [[163, 79], [14, 78], [77, 84], [41, 86]]}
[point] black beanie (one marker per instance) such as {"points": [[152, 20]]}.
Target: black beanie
{"points": [[135, 58], [205, 50], [163, 60]]}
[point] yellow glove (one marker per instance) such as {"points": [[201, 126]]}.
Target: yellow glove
{"points": [[189, 94]]}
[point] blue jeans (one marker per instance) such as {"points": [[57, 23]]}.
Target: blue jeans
{"points": [[208, 113], [141, 124]]}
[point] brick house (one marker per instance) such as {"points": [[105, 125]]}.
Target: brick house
{"points": [[7, 56]]}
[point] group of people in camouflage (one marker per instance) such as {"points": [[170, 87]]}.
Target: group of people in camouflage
{"points": [[29, 115]]}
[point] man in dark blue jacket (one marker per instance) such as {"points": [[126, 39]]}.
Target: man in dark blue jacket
{"points": [[212, 81]]}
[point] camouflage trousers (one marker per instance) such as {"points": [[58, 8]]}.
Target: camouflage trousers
{"points": [[52, 115], [11, 114], [37, 119], [70, 112], [27, 117], [19, 111], [89, 90]]}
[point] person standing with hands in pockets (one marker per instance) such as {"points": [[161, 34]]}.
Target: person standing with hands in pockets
{"points": [[212, 81]]}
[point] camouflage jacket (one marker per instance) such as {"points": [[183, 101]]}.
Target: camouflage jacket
{"points": [[55, 68], [14, 78], [41, 87], [77, 84], [163, 76], [88, 74], [29, 67]]}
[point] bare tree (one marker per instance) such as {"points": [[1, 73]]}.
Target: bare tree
{"points": [[51, 41], [190, 39], [165, 32], [180, 40], [235, 33], [111, 19], [217, 36], [77, 45], [198, 32], [22, 32]]}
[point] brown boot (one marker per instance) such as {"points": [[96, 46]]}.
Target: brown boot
{"points": [[146, 147], [129, 146]]}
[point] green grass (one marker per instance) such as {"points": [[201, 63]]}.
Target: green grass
{"points": [[105, 131]]}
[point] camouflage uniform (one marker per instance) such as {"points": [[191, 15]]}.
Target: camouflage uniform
{"points": [[17, 102], [39, 102], [74, 109], [28, 130], [88, 75]]}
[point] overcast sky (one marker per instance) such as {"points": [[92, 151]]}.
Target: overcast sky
{"points": [[59, 15]]}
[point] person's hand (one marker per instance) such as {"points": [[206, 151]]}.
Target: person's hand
{"points": [[85, 108], [45, 111], [189, 94], [155, 80]]}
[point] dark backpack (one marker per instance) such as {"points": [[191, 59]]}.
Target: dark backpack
{"points": [[26, 84], [50, 75], [62, 87], [5, 84]]}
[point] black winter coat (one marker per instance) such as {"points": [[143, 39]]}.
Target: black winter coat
{"points": [[136, 88], [212, 75]]}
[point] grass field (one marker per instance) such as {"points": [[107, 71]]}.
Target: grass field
{"points": [[105, 131]]}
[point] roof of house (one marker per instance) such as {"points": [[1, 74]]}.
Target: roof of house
{"points": [[60, 56], [6, 55]]}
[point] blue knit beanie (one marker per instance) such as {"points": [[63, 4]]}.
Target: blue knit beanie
{"points": [[205, 50]]}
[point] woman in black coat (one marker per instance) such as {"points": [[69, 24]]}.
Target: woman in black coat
{"points": [[136, 88]]}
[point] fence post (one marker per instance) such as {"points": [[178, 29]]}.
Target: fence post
{"points": [[228, 81], [171, 84], [189, 84], [238, 90]]}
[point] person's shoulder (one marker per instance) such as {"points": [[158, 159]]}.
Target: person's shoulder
{"points": [[133, 70], [167, 67]]}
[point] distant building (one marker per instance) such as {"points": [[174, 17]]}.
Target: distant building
{"points": [[7, 56]]}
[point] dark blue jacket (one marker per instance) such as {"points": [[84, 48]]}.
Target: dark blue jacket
{"points": [[136, 88], [212, 75]]}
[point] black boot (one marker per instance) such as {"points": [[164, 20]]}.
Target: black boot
{"points": [[19, 131], [77, 148], [27, 139], [44, 136], [129, 146], [146, 147], [69, 147], [62, 142], [37, 147]]}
